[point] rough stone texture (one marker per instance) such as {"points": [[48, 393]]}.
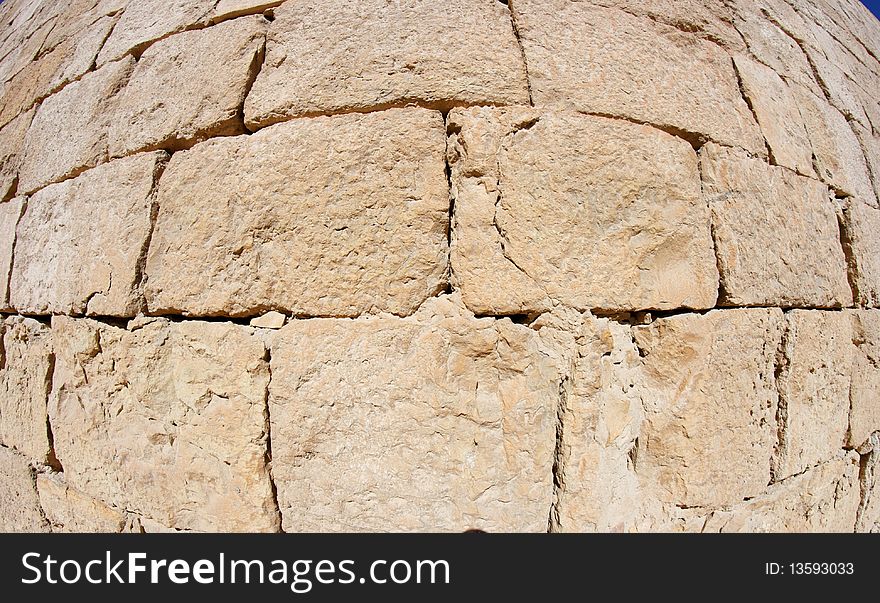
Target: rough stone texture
{"points": [[581, 56], [711, 405], [12, 135], [69, 131], [27, 362], [814, 389], [776, 234], [864, 416], [229, 9], [824, 499], [777, 115], [861, 223], [435, 422], [80, 243], [189, 87], [176, 409], [145, 21], [10, 212], [871, 145], [334, 55], [69, 510], [593, 212], [19, 504], [333, 216], [269, 320], [869, 512]]}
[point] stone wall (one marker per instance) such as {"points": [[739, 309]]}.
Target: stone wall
{"points": [[414, 265]]}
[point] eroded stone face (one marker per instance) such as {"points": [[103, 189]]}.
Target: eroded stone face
{"points": [[580, 210], [437, 422], [10, 213], [69, 510], [864, 417], [167, 421], [606, 61], [230, 9], [861, 223], [333, 216], [869, 512], [79, 243], [189, 87], [333, 56], [12, 135], [19, 504], [776, 234]]}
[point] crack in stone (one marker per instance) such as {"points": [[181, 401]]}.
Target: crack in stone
{"points": [[268, 428], [514, 22], [559, 456]]}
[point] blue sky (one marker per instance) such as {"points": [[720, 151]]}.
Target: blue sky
{"points": [[874, 6]]}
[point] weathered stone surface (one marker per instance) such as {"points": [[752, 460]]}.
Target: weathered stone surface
{"points": [[861, 225], [607, 61], [335, 55], [869, 512], [864, 414], [269, 320], [69, 131], [69, 510], [777, 115], [80, 242], [19, 505], [776, 234], [25, 378], [10, 212], [12, 135], [839, 157], [593, 212], [871, 146], [434, 422], [814, 389], [189, 87], [329, 216], [167, 421], [710, 405], [145, 21], [824, 499], [229, 9]]}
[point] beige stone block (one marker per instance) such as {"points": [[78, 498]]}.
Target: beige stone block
{"points": [[331, 216], [861, 241], [10, 213], [864, 414], [776, 234], [12, 135], [189, 87], [230, 9], [436, 422], [777, 115], [869, 511], [69, 510], [607, 61], [580, 210], [69, 130], [871, 146], [19, 505], [25, 378], [269, 320], [814, 389], [336, 56], [166, 421], [710, 405], [80, 243]]}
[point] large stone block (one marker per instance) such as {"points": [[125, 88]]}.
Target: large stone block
{"points": [[607, 61], [69, 131], [587, 211], [329, 216], [864, 414], [334, 56], [19, 505], [69, 510], [10, 213], [814, 389], [436, 422], [189, 87], [12, 135], [710, 405], [167, 420], [860, 227], [80, 243], [25, 379], [776, 234]]}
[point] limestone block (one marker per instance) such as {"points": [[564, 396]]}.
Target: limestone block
{"points": [[824, 499], [269, 320], [861, 225], [166, 421], [871, 146], [334, 56], [145, 21], [777, 115], [80, 242], [25, 379], [776, 234], [331, 216], [814, 389], [436, 422], [69, 510], [230, 9], [69, 130], [19, 504], [10, 213], [189, 87], [607, 61], [864, 417], [587, 211], [710, 405], [869, 512], [12, 135]]}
